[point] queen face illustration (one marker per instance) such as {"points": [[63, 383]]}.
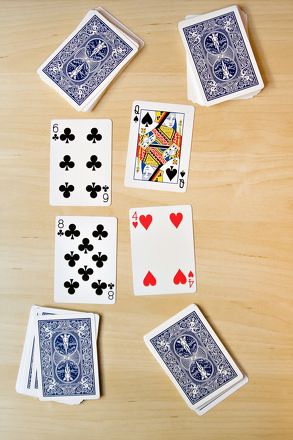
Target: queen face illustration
{"points": [[147, 172], [170, 120]]}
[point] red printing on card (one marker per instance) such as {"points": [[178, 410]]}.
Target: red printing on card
{"points": [[179, 278], [149, 280], [145, 220], [176, 219]]}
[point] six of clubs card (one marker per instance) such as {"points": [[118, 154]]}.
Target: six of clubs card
{"points": [[162, 250], [159, 146], [85, 260], [80, 168]]}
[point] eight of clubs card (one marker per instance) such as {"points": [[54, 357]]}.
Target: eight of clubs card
{"points": [[85, 260], [162, 250], [159, 146], [80, 168]]}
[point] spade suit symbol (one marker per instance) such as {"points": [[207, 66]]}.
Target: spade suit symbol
{"points": [[147, 119], [171, 172]]}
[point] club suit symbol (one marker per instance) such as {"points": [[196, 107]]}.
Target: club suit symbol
{"points": [[99, 287], [72, 231], [67, 136], [94, 136], [72, 258], [99, 259], [71, 286], [100, 232], [85, 272], [94, 163], [66, 189], [85, 246], [66, 163], [93, 190]]}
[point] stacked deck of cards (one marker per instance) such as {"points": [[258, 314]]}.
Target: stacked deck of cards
{"points": [[195, 360], [220, 61], [90, 58], [59, 358]]}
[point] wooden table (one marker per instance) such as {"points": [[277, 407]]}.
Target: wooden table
{"points": [[240, 187]]}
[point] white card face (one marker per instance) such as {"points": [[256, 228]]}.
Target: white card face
{"points": [[85, 260], [159, 146], [195, 359], [162, 249], [80, 163]]}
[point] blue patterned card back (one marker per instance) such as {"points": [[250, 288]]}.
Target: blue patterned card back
{"points": [[193, 358], [66, 357], [220, 56], [87, 60]]}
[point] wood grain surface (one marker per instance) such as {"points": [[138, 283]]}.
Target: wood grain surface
{"points": [[240, 187]]}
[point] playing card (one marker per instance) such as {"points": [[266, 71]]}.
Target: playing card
{"points": [[88, 59], [24, 382], [85, 260], [43, 311], [192, 92], [67, 361], [220, 56], [159, 146], [80, 162], [162, 250], [195, 359], [27, 379]]}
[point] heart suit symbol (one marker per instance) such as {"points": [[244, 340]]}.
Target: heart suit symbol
{"points": [[179, 278], [145, 220], [149, 280], [176, 219]]}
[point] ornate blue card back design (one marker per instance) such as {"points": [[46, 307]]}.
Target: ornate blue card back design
{"points": [[220, 56], [66, 355], [87, 60], [193, 357]]}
